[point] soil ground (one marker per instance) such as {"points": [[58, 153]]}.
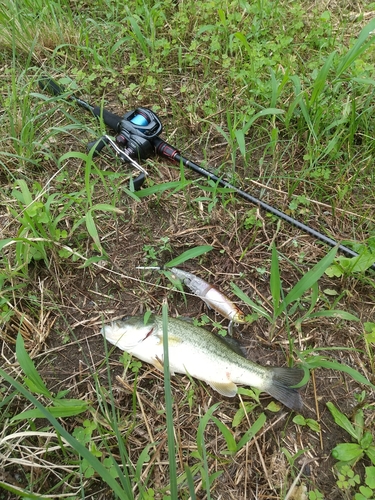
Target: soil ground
{"points": [[70, 348]]}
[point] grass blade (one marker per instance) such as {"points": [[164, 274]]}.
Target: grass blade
{"points": [[300, 100], [202, 447], [228, 435], [123, 475], [256, 307], [76, 445], [264, 112], [250, 433], [321, 79], [160, 188], [56, 411], [190, 482], [33, 380], [169, 406], [320, 362], [92, 230], [358, 48], [19, 492], [189, 254], [342, 420], [308, 280], [275, 282], [334, 313]]}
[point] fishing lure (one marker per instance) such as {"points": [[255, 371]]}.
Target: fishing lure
{"points": [[213, 298]]}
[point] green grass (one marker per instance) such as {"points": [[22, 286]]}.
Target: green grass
{"points": [[277, 97]]}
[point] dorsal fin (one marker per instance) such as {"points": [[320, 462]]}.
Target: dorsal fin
{"points": [[233, 344]]}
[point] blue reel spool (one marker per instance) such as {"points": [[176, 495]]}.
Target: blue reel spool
{"points": [[139, 120]]}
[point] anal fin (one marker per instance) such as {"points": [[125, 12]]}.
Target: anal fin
{"points": [[228, 389], [159, 364]]}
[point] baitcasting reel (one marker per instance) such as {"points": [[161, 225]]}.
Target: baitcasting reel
{"points": [[133, 141]]}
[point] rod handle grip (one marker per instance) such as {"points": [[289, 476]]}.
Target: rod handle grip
{"points": [[51, 86], [110, 119]]}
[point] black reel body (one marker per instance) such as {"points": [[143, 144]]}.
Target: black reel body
{"points": [[135, 132], [141, 121]]}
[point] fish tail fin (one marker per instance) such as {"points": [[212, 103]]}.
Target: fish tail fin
{"points": [[281, 386]]}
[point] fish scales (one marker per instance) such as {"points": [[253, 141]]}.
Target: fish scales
{"points": [[199, 353], [200, 346]]}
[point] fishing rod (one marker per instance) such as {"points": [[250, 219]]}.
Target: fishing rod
{"points": [[138, 137]]}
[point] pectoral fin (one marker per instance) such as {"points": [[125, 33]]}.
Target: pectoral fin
{"points": [[172, 340], [228, 389]]}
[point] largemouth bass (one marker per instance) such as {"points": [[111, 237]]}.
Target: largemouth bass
{"points": [[201, 354]]}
